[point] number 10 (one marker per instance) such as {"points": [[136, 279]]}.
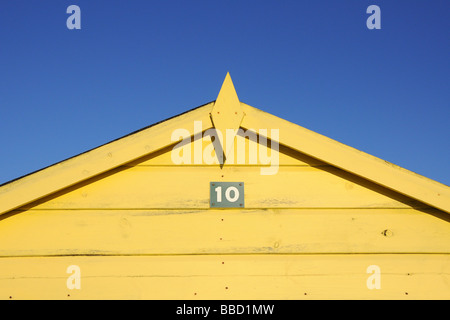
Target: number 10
{"points": [[227, 194]]}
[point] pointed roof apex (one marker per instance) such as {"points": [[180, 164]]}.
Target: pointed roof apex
{"points": [[227, 88], [227, 113]]}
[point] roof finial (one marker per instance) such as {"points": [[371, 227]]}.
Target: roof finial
{"points": [[227, 113]]}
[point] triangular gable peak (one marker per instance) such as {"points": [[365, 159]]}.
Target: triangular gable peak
{"points": [[229, 122]]}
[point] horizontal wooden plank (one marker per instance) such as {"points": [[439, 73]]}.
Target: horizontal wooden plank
{"points": [[182, 188], [111, 232], [228, 277]]}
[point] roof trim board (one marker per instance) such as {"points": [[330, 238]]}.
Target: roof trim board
{"points": [[351, 160], [99, 160]]}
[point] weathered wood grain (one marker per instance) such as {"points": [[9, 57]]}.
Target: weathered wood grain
{"points": [[228, 277], [111, 232], [148, 187]]}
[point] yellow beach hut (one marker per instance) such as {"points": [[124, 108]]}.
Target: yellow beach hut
{"points": [[223, 202]]}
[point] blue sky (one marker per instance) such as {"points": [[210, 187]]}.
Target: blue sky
{"points": [[314, 63]]}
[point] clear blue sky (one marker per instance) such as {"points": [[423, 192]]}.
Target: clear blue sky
{"points": [[314, 63]]}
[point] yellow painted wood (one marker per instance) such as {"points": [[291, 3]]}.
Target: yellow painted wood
{"points": [[106, 232], [351, 160], [227, 114], [139, 225], [228, 277], [180, 187], [157, 137], [99, 160]]}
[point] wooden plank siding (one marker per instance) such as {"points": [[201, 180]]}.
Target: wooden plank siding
{"points": [[138, 223], [155, 182], [224, 277], [251, 231], [144, 187], [145, 230]]}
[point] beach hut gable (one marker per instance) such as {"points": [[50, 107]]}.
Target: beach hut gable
{"points": [[227, 140], [224, 201]]}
